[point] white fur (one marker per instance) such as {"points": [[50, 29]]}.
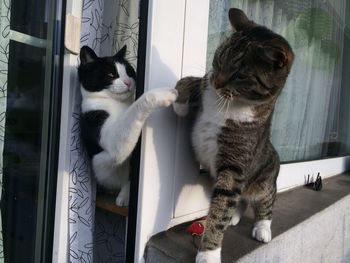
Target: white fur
{"points": [[236, 217], [120, 132], [209, 124], [209, 256], [238, 213], [124, 195], [119, 85], [122, 72], [181, 109], [262, 231]]}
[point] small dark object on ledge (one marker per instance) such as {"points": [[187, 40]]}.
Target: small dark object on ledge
{"points": [[317, 185]]}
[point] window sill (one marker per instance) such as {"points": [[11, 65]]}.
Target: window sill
{"points": [[107, 202], [306, 225]]}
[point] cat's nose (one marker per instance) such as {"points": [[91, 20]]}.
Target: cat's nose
{"points": [[219, 80], [127, 82]]}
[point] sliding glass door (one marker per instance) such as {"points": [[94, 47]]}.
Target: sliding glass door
{"points": [[30, 47]]}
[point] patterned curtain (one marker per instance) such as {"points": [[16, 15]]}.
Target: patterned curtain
{"points": [[308, 121], [4, 56], [106, 27]]}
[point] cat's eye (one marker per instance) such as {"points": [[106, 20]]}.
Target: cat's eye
{"points": [[238, 77], [110, 75], [241, 77]]}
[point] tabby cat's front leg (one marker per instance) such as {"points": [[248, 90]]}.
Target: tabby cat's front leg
{"points": [[262, 203], [262, 206], [226, 196]]}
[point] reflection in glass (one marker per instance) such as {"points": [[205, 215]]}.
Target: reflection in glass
{"points": [[28, 78], [22, 150], [311, 119]]}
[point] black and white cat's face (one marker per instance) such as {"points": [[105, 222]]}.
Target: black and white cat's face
{"points": [[112, 75]]}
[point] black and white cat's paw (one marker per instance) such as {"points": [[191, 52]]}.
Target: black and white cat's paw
{"points": [[181, 109], [209, 256], [162, 97], [262, 231], [123, 196]]}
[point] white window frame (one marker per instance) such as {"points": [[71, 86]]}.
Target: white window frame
{"points": [[176, 47], [60, 251]]}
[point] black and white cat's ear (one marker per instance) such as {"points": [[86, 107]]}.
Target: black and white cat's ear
{"points": [[239, 19], [121, 53], [87, 55], [272, 55]]}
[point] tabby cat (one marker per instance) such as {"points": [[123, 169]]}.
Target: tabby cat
{"points": [[231, 133], [111, 120]]}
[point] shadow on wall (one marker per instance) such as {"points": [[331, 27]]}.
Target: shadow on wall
{"points": [[164, 126]]}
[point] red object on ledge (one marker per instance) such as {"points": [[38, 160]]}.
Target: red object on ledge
{"points": [[196, 228]]}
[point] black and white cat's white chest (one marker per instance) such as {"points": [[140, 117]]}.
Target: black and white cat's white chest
{"points": [[92, 101], [99, 112]]}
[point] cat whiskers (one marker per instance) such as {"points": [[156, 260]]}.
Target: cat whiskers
{"points": [[227, 107], [222, 104], [219, 103]]}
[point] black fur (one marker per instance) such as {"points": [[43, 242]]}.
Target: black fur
{"points": [[91, 124], [94, 72]]}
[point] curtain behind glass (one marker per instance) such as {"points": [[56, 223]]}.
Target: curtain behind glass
{"points": [[106, 27], [4, 51], [306, 121]]}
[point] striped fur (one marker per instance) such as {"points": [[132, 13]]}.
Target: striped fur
{"points": [[231, 133]]}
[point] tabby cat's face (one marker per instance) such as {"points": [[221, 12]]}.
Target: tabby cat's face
{"points": [[252, 65], [112, 75]]}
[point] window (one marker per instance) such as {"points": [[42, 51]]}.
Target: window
{"points": [[310, 119], [30, 99]]}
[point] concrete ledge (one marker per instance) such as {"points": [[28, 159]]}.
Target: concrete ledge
{"points": [[308, 226]]}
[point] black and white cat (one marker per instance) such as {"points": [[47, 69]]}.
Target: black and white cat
{"points": [[111, 121]]}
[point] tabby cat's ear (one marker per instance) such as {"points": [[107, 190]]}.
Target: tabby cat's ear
{"points": [[239, 19], [87, 55], [121, 53], [272, 55]]}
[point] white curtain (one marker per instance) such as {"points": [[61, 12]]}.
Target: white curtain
{"points": [[106, 27], [307, 119], [4, 53]]}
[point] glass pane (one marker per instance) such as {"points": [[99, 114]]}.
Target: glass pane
{"points": [[22, 148], [25, 71], [311, 119], [29, 17]]}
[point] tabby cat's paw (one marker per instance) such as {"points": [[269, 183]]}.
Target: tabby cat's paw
{"points": [[181, 109], [209, 256], [161, 97], [262, 231]]}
